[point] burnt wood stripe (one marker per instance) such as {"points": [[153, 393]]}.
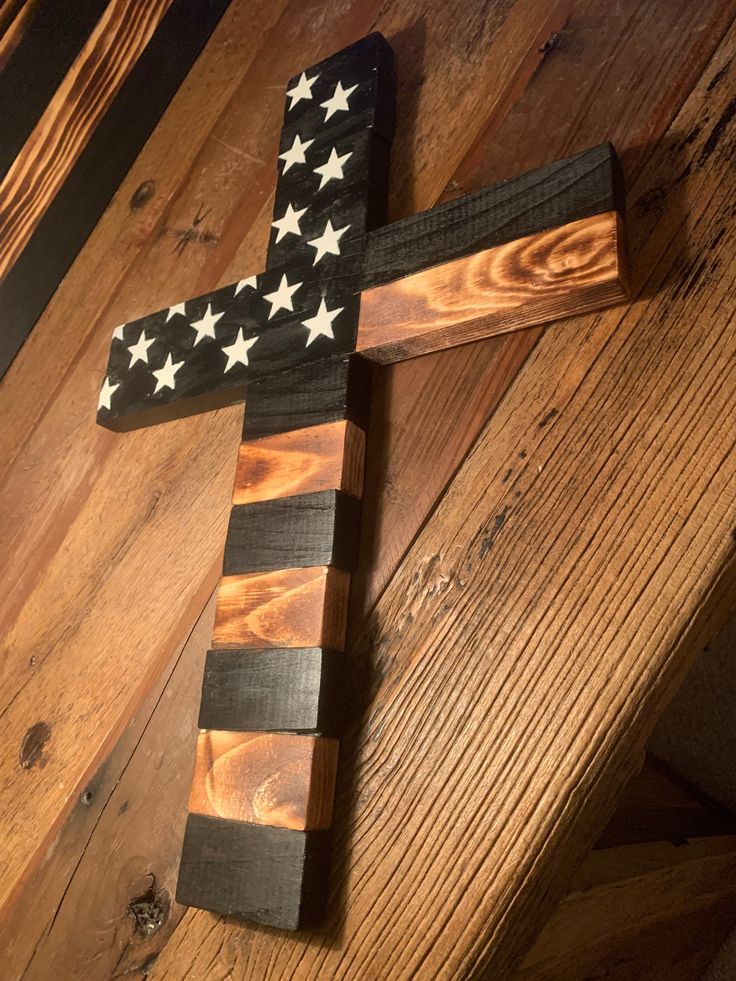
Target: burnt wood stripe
{"points": [[330, 390], [290, 532], [555, 274], [586, 184], [297, 689], [287, 608], [100, 167], [325, 457], [283, 780], [275, 876], [53, 34]]}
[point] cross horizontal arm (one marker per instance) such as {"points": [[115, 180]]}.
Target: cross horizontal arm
{"points": [[531, 249]]}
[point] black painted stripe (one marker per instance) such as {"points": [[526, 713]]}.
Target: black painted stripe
{"points": [[300, 689], [296, 532]]}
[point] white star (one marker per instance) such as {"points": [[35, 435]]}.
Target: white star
{"points": [[289, 223], [206, 326], [328, 241], [280, 299], [338, 100], [139, 350], [237, 352], [321, 323], [332, 170], [172, 311], [295, 153], [106, 391], [250, 281], [302, 89], [117, 334], [165, 375]]}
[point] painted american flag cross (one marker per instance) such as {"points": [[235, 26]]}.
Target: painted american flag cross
{"points": [[339, 289]]}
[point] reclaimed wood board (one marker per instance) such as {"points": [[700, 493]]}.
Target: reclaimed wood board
{"points": [[95, 80]]}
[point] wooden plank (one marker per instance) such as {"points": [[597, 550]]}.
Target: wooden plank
{"points": [[544, 277], [274, 875], [288, 608], [322, 457], [283, 780], [284, 689], [570, 610], [586, 184], [85, 153], [51, 36], [321, 528], [426, 411], [328, 391], [648, 912]]}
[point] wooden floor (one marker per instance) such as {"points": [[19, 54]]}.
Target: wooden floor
{"points": [[548, 529]]}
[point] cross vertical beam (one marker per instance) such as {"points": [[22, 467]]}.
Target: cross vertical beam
{"points": [[266, 755]]}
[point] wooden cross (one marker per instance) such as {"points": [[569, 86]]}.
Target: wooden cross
{"points": [[531, 249]]}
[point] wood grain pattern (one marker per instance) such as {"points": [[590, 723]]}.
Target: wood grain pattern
{"points": [[81, 100], [571, 610], [284, 689], [289, 608], [548, 276], [330, 455], [271, 875], [39, 42], [279, 779], [586, 184], [105, 145], [322, 528]]}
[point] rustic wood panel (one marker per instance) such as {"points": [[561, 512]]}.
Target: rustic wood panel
{"points": [[78, 151], [39, 42], [283, 689], [330, 455], [288, 608], [426, 412], [283, 780], [273, 875], [589, 623], [548, 276]]}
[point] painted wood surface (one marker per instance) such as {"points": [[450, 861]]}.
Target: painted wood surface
{"points": [[322, 457], [287, 608], [283, 780], [85, 85], [328, 391], [299, 689], [548, 276], [274, 875], [426, 413], [321, 528]]}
